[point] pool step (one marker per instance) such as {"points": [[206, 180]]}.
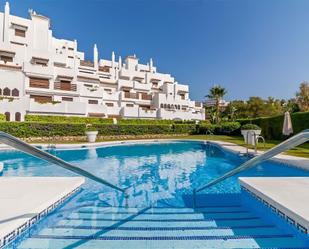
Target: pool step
{"points": [[225, 227], [225, 242]]}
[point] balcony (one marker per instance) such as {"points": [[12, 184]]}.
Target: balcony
{"points": [[65, 86], [86, 63], [38, 70], [129, 112], [10, 65], [180, 114], [142, 86], [64, 71], [77, 108], [113, 96], [182, 88], [146, 96], [147, 113], [129, 95], [125, 84]]}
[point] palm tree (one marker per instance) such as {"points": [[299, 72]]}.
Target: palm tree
{"points": [[217, 93]]}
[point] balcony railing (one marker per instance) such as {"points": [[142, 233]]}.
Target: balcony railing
{"points": [[129, 95], [86, 64], [146, 97], [65, 86]]}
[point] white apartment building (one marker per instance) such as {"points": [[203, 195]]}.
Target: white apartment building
{"points": [[43, 75]]}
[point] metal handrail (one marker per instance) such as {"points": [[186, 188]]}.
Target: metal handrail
{"points": [[34, 151], [296, 140]]}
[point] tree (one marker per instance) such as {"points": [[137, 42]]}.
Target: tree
{"points": [[302, 97], [217, 93]]}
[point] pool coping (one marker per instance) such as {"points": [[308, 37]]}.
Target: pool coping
{"points": [[285, 196], [287, 160], [44, 195]]}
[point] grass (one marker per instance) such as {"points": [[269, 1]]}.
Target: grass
{"points": [[301, 151]]}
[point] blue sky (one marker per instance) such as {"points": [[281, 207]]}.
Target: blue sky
{"points": [[251, 47]]}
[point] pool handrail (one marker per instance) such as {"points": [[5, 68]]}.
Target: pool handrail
{"points": [[36, 152], [290, 143]]}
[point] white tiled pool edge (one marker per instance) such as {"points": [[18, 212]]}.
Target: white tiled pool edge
{"points": [[285, 196], [67, 186]]}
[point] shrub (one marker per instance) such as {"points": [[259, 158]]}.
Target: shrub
{"points": [[144, 121], [250, 127], [27, 129], [184, 128], [40, 129], [272, 126], [227, 128], [70, 120], [2, 117]]}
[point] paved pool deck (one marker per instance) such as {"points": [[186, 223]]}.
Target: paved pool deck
{"points": [[287, 196], [25, 200]]}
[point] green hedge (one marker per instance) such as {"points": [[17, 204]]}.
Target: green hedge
{"points": [[2, 117], [27, 129], [69, 120], [228, 128], [31, 129], [272, 126]]}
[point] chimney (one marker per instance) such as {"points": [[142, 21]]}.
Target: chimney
{"points": [[113, 59], [120, 63], [95, 56], [6, 21]]}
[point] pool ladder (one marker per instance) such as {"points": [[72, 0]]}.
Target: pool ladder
{"points": [[34, 151], [256, 141], [290, 143]]}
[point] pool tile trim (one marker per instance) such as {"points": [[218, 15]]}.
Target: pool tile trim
{"points": [[10, 237], [278, 211]]}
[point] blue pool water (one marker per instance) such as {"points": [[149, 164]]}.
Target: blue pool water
{"points": [[160, 175]]}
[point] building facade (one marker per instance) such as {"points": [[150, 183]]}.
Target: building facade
{"points": [[43, 75]]}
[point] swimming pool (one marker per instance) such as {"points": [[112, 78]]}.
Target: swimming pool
{"points": [[158, 174]]}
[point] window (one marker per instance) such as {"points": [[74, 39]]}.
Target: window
{"points": [[6, 58], [182, 95], [67, 99], [0, 91], [17, 116], [6, 92], [7, 116], [129, 105], [92, 102], [41, 99], [20, 32], [39, 61], [38, 82], [65, 85], [15, 92], [110, 104]]}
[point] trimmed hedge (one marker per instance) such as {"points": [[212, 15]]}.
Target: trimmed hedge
{"points": [[228, 128], [31, 129], [49, 129], [2, 117], [69, 120], [272, 126], [27, 129]]}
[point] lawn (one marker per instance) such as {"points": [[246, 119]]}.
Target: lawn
{"points": [[302, 150]]}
